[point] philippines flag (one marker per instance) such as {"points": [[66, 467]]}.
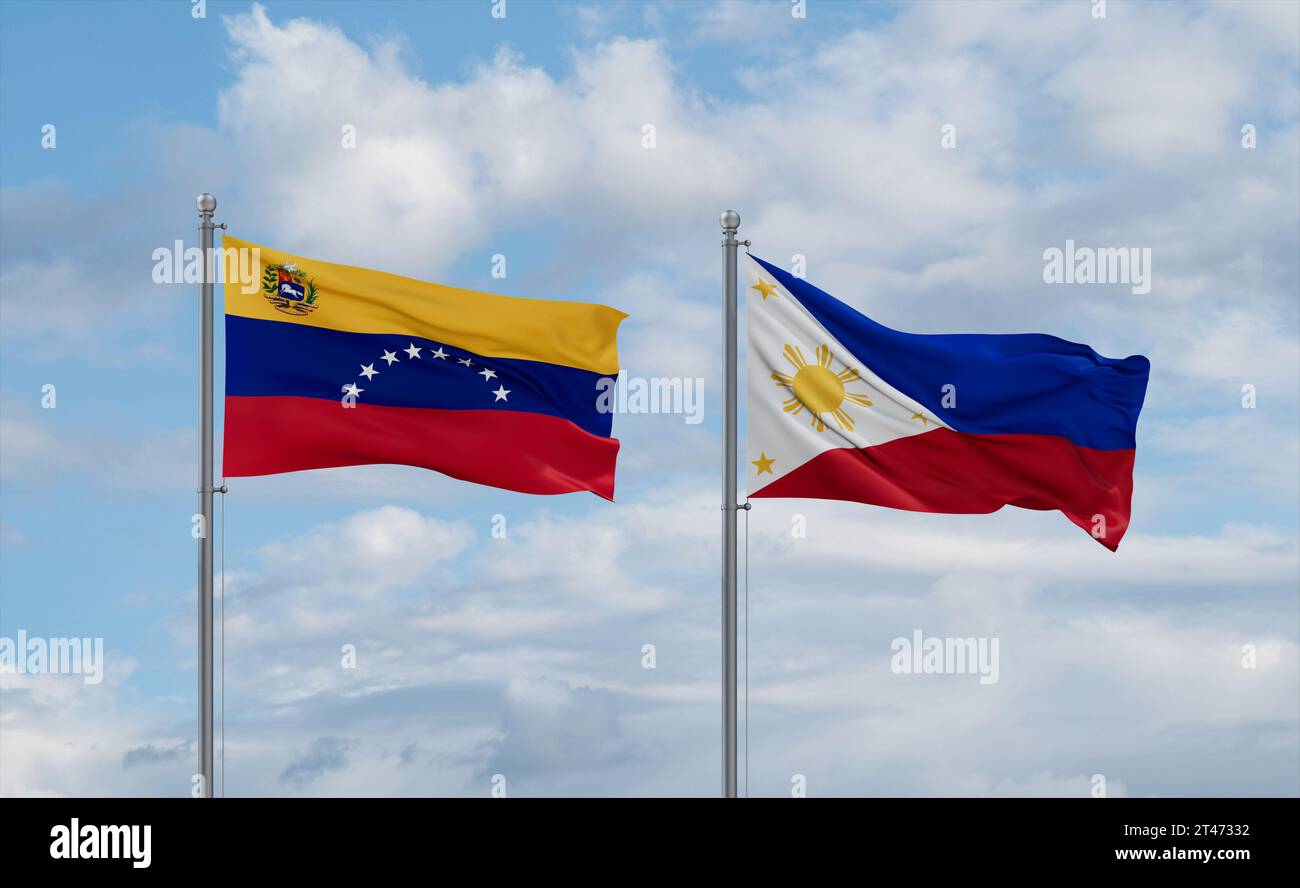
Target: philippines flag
{"points": [[843, 408]]}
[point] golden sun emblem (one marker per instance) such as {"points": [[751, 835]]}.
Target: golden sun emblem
{"points": [[819, 388]]}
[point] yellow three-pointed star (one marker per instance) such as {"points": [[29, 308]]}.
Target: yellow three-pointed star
{"points": [[765, 288], [763, 463], [925, 420]]}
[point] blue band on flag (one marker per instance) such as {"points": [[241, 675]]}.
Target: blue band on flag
{"points": [[270, 358], [1021, 383]]}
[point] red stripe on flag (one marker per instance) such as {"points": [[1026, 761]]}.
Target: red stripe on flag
{"points": [[526, 452], [957, 473]]}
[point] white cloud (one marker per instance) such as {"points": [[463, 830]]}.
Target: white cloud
{"points": [[368, 552], [63, 737], [742, 20], [436, 168], [460, 675]]}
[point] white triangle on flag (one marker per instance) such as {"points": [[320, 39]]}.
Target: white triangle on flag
{"points": [[814, 402]]}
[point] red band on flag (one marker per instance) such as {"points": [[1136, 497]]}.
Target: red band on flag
{"points": [[953, 472], [268, 435]]}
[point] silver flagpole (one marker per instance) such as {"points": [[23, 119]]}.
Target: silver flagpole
{"points": [[730, 224], [207, 204]]}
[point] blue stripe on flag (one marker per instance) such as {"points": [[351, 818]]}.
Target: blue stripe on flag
{"points": [[1022, 383], [271, 358]]}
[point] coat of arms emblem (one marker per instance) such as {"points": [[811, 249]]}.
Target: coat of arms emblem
{"points": [[289, 289]]}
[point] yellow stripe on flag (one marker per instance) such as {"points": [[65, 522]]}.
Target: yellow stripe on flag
{"points": [[358, 300]]}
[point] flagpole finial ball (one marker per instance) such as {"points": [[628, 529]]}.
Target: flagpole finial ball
{"points": [[206, 203], [730, 219]]}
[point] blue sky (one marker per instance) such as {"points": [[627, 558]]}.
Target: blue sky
{"points": [[523, 136]]}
